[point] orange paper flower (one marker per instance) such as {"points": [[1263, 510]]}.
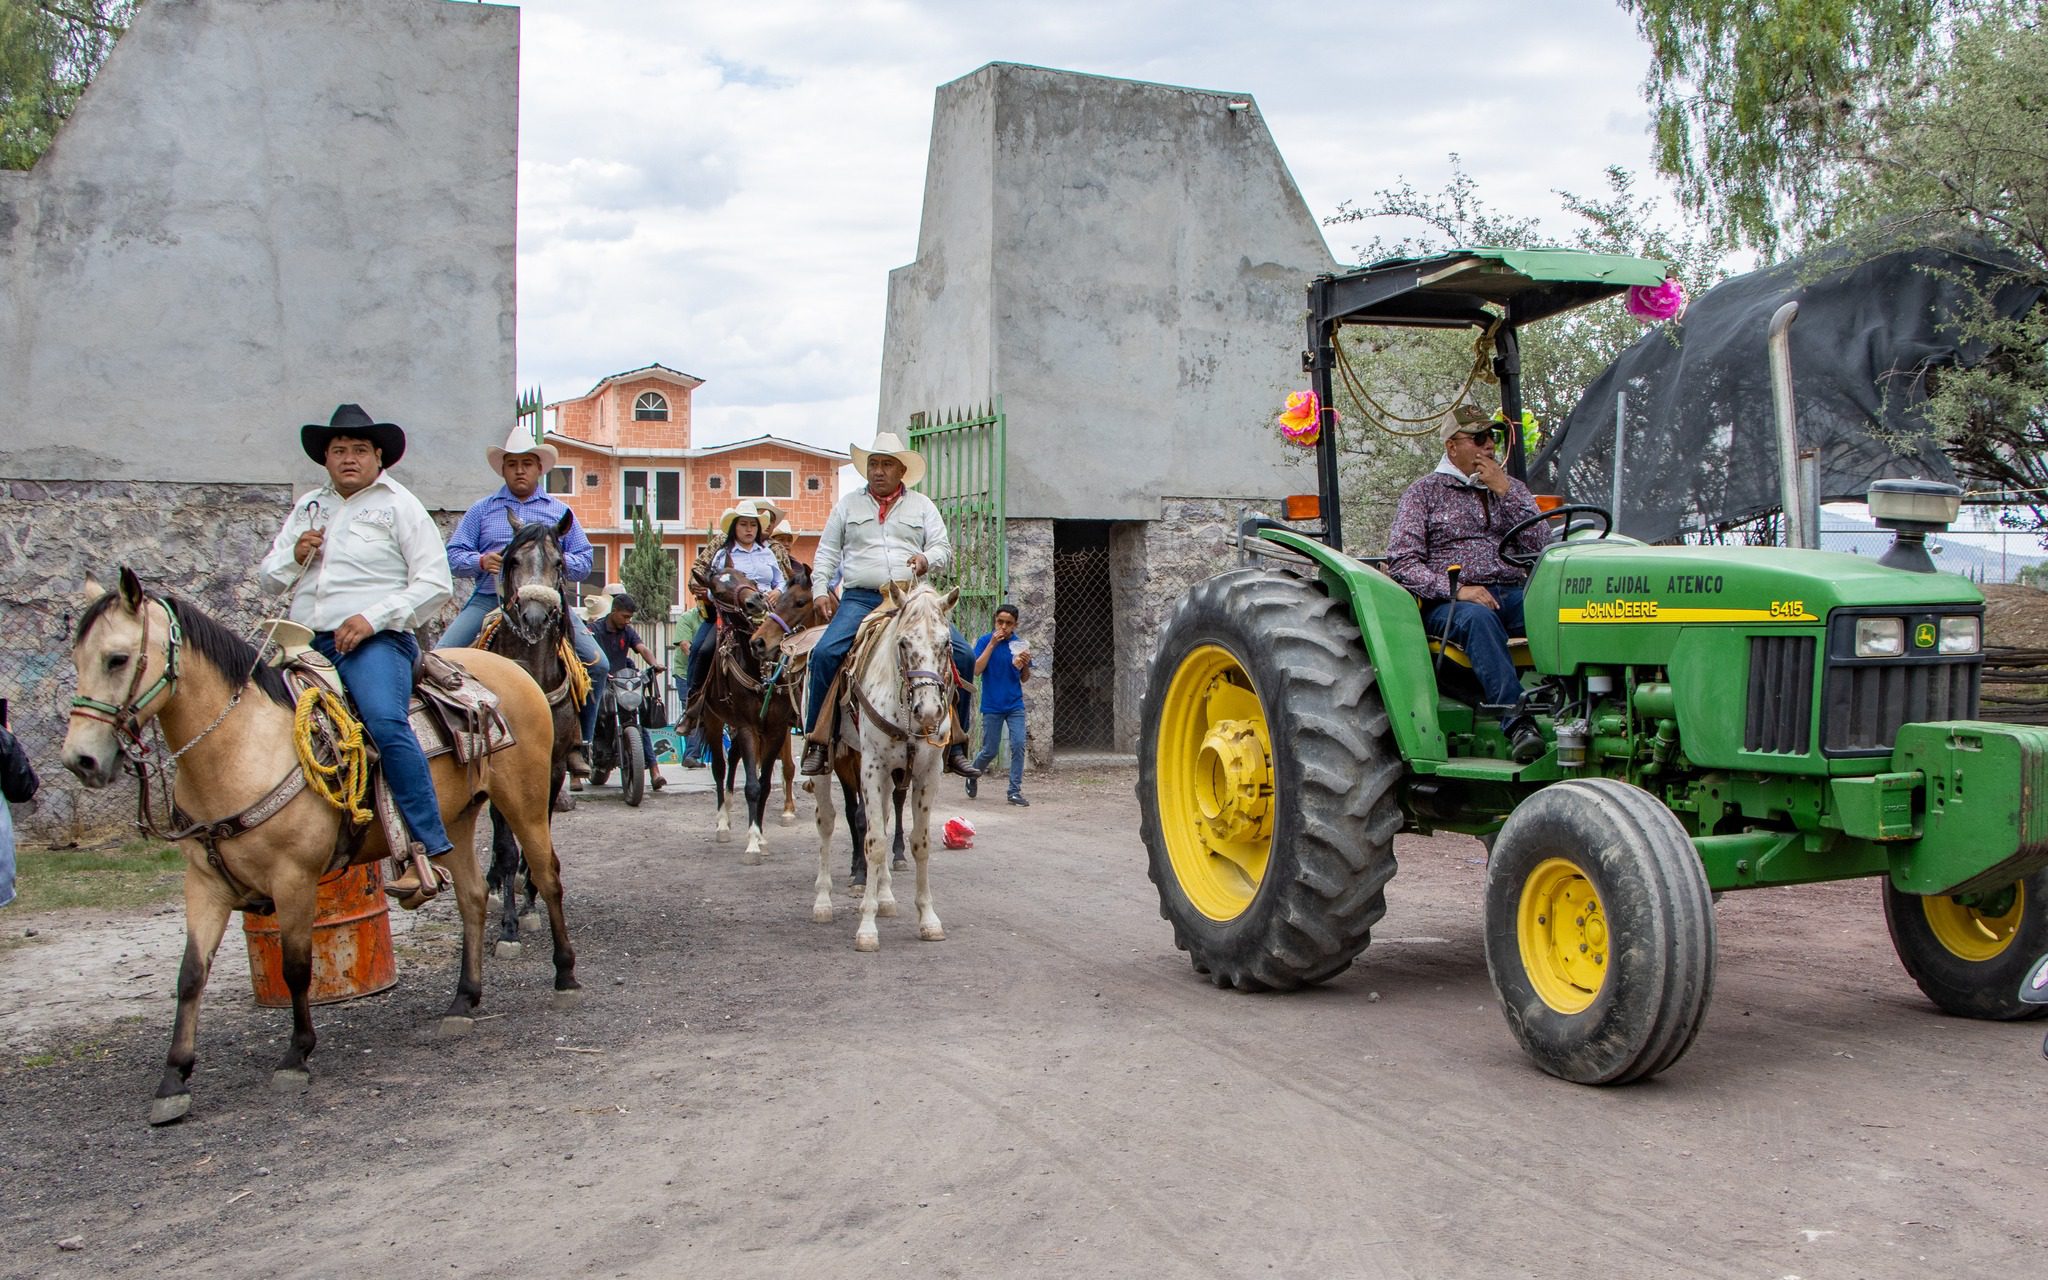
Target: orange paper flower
{"points": [[1302, 423]]}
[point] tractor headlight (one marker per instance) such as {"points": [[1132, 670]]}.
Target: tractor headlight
{"points": [[1961, 635], [1881, 637]]}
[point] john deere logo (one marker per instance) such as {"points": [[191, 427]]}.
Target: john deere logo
{"points": [[1923, 635]]}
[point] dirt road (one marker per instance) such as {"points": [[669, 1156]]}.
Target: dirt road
{"points": [[1050, 1091]]}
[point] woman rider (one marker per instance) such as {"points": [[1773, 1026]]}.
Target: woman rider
{"points": [[744, 550]]}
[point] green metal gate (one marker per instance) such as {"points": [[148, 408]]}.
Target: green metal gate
{"points": [[964, 453]]}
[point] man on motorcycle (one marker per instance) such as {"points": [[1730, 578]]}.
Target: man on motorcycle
{"points": [[615, 635]]}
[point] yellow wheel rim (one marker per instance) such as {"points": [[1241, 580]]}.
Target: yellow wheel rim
{"points": [[1215, 783], [1970, 933], [1563, 935]]}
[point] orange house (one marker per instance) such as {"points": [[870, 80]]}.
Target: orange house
{"points": [[625, 443]]}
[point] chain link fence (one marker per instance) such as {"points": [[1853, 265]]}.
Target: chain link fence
{"points": [[1084, 622]]}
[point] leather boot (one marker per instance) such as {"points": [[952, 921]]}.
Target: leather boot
{"points": [[956, 750], [817, 759]]}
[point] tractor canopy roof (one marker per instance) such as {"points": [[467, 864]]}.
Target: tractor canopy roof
{"points": [[1450, 289]]}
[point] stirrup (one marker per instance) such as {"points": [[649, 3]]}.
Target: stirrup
{"points": [[421, 882]]}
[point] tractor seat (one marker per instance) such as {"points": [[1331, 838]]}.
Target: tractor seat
{"points": [[1518, 652]]}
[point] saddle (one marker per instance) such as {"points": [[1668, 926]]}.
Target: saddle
{"points": [[843, 699], [451, 712]]}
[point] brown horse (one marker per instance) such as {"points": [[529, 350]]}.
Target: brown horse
{"points": [[227, 721], [760, 704]]}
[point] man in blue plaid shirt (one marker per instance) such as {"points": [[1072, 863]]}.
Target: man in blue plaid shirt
{"points": [[478, 546]]}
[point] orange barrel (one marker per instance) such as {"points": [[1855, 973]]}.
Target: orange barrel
{"points": [[352, 953]]}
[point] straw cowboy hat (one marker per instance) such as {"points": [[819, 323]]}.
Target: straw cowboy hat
{"points": [[761, 511], [889, 445], [521, 441], [783, 531], [350, 420]]}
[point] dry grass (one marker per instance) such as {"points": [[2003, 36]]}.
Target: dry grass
{"points": [[140, 873]]}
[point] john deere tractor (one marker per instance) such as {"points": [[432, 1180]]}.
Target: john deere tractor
{"points": [[1716, 719]]}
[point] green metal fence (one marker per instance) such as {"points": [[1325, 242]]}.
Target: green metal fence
{"points": [[964, 453]]}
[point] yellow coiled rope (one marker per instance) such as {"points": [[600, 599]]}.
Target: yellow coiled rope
{"points": [[579, 675], [345, 784]]}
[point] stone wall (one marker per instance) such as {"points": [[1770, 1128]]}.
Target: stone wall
{"points": [[1030, 559], [199, 541]]}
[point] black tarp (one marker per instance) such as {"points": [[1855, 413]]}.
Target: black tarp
{"points": [[1700, 438]]}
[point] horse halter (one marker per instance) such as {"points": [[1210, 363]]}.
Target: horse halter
{"points": [[126, 719], [514, 617]]}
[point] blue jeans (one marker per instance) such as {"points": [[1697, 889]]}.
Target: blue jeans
{"points": [[6, 854], [463, 632], [378, 676], [1483, 634], [829, 654], [701, 644], [992, 725]]}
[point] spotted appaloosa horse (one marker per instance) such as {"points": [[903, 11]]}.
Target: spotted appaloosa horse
{"points": [[899, 694], [144, 658]]}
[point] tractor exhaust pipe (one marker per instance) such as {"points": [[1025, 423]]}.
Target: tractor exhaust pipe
{"points": [[1791, 499]]}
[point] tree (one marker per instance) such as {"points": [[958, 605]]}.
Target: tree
{"points": [[49, 52], [1413, 372], [1883, 123], [646, 570]]}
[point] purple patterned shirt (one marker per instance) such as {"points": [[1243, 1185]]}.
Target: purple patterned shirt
{"points": [[1443, 521]]}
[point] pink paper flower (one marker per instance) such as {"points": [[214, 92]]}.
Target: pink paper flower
{"points": [[1657, 302], [1302, 424]]}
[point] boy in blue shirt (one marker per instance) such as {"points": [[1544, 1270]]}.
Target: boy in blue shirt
{"points": [[1002, 662]]}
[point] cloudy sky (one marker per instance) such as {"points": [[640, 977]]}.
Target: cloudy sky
{"points": [[724, 187]]}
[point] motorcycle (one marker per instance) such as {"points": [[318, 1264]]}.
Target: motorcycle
{"points": [[2034, 990], [617, 744]]}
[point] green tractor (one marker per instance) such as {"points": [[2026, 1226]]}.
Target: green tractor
{"points": [[1717, 718]]}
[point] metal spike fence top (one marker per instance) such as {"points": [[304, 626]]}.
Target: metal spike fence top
{"points": [[965, 452]]}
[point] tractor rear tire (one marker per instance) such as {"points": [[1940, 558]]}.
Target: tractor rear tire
{"points": [[1266, 776], [1969, 960], [1599, 931]]}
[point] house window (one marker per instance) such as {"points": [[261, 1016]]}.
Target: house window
{"points": [[562, 480], [592, 479], [714, 482], [675, 571], [665, 488], [599, 573], [652, 406], [762, 484], [814, 483]]}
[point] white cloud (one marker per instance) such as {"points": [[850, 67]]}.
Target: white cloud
{"points": [[724, 187]]}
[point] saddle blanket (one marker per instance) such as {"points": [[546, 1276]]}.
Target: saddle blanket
{"points": [[451, 710]]}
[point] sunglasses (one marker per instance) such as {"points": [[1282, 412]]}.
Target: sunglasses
{"points": [[1495, 436]]}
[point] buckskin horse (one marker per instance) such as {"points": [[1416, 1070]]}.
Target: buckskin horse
{"points": [[757, 701], [227, 722], [533, 631], [898, 698]]}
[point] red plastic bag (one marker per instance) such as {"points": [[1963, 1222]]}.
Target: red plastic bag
{"points": [[958, 834]]}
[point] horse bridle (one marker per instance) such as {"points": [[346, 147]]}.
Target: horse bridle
{"points": [[515, 618], [126, 719]]}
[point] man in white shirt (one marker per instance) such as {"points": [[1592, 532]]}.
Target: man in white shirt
{"points": [[885, 532], [367, 563]]}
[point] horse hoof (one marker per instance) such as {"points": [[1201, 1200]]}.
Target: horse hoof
{"points": [[723, 837], [788, 819], [750, 858], [931, 933], [507, 950], [455, 1026], [867, 942], [290, 1080], [170, 1110], [900, 864], [886, 910], [530, 921], [569, 999], [821, 914]]}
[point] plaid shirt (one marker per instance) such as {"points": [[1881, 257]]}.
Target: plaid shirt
{"points": [[1443, 521]]}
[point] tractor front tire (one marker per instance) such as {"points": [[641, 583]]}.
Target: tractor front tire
{"points": [[1599, 931], [1970, 956], [1266, 776]]}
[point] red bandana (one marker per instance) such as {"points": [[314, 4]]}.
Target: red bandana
{"points": [[882, 504]]}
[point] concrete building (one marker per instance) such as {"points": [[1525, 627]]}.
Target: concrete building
{"points": [[1120, 267], [626, 443], [259, 210]]}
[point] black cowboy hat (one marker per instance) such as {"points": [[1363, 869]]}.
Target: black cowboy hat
{"points": [[350, 420]]}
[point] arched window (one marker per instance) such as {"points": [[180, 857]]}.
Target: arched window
{"points": [[652, 406]]}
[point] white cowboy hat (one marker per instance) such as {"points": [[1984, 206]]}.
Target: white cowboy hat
{"points": [[762, 512], [784, 530], [889, 445], [521, 441]]}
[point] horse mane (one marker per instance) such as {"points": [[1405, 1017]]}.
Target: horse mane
{"points": [[531, 531], [208, 637]]}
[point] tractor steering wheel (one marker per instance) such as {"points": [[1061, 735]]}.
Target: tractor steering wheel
{"points": [[1522, 560]]}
